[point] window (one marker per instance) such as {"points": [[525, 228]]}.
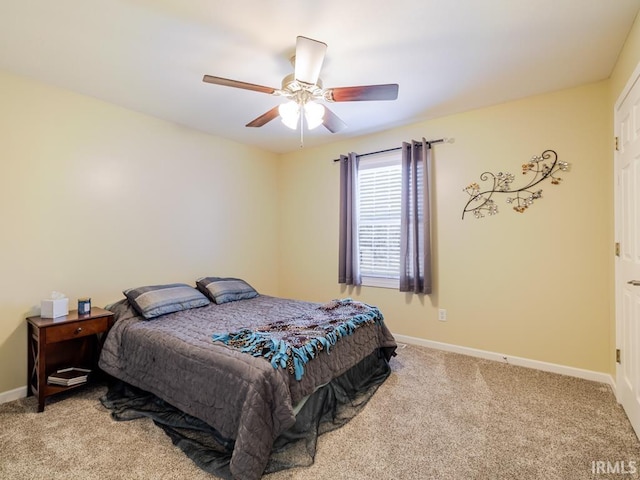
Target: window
{"points": [[379, 197], [385, 221]]}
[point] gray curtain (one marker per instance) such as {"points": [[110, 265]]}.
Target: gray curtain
{"points": [[348, 256], [415, 224]]}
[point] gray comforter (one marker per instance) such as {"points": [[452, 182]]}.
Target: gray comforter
{"points": [[244, 397]]}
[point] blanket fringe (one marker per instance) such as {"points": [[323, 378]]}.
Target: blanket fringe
{"points": [[283, 354]]}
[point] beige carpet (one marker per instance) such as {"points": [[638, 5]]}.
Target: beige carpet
{"points": [[438, 416]]}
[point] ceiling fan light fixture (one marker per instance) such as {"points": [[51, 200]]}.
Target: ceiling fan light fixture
{"points": [[313, 114], [303, 87], [289, 114]]}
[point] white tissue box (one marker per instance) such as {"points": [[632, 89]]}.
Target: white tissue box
{"points": [[53, 308]]}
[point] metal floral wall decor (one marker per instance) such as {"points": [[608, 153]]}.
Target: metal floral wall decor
{"points": [[538, 169]]}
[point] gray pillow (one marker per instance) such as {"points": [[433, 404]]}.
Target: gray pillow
{"points": [[223, 290], [154, 300]]}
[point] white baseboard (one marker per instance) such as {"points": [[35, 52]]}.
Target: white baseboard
{"points": [[12, 395], [606, 378], [519, 361]]}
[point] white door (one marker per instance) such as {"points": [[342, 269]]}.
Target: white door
{"points": [[627, 195]]}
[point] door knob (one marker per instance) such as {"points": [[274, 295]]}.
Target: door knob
{"points": [[635, 283]]}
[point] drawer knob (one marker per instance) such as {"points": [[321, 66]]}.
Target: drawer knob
{"points": [[78, 330]]}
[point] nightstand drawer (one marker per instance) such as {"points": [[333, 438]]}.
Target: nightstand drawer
{"points": [[76, 330]]}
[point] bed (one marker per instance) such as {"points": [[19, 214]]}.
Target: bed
{"points": [[244, 364]]}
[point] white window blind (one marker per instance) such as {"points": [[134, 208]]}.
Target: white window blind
{"points": [[379, 189]]}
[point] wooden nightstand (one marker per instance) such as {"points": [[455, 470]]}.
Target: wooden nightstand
{"points": [[70, 341]]}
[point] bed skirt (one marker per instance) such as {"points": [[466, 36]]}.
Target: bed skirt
{"points": [[328, 408]]}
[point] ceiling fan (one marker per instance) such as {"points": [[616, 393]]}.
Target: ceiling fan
{"points": [[304, 88]]}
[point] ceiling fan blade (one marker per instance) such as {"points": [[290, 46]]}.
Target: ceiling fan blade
{"points": [[388, 91], [309, 57], [332, 122], [264, 118], [235, 83]]}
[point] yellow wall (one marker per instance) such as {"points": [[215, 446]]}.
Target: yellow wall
{"points": [[95, 199], [533, 285], [627, 62]]}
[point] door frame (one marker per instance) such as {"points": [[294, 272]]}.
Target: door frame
{"points": [[631, 81]]}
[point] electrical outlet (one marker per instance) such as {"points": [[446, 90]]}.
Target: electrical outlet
{"points": [[442, 315]]}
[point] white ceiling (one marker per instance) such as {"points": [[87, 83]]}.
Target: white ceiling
{"points": [[447, 55]]}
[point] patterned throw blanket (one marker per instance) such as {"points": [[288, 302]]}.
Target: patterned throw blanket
{"points": [[292, 343]]}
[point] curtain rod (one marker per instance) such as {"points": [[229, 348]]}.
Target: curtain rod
{"points": [[439, 140]]}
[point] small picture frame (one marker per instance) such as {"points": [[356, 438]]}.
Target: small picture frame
{"points": [[84, 306]]}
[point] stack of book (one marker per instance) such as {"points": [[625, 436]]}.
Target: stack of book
{"points": [[69, 376]]}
